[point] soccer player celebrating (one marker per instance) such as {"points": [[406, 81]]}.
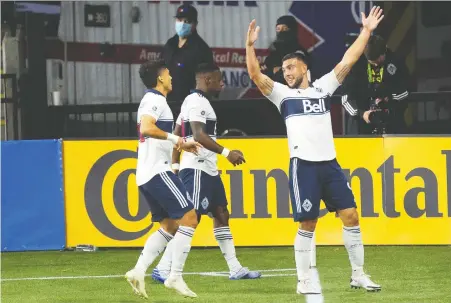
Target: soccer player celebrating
{"points": [[314, 171], [163, 190], [199, 173]]}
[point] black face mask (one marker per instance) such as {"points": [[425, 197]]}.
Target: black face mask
{"points": [[286, 37]]}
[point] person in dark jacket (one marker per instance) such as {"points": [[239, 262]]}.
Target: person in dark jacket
{"points": [[184, 52], [377, 90], [286, 43]]}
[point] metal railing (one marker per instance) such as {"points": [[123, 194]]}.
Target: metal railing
{"points": [[9, 120], [431, 113]]}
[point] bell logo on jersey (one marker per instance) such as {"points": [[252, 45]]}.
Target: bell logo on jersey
{"points": [[315, 106]]}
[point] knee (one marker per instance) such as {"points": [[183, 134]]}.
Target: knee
{"points": [[350, 217], [221, 217], [190, 219], [308, 225], [169, 225]]}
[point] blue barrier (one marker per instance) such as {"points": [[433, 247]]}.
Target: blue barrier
{"points": [[32, 206]]}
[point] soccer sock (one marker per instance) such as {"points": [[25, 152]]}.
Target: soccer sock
{"points": [[155, 244], [302, 250], [313, 252], [182, 246], [225, 241], [353, 242], [164, 267]]}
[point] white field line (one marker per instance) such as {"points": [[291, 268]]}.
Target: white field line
{"points": [[214, 274]]}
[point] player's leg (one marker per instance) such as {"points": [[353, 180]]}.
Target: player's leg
{"points": [[156, 242], [180, 208], [338, 197], [221, 230], [161, 272], [305, 199], [314, 274], [163, 269], [313, 251]]}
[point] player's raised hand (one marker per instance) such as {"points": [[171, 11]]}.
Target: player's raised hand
{"points": [[236, 157], [374, 18], [252, 33]]}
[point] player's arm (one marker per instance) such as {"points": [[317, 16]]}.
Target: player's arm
{"points": [[200, 135], [263, 82], [197, 116], [149, 128], [356, 49], [176, 153]]}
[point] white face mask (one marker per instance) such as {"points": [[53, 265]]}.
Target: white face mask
{"points": [[182, 29]]}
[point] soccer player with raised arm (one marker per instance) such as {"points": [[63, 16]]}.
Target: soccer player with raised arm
{"points": [[199, 173], [314, 171], [162, 189]]}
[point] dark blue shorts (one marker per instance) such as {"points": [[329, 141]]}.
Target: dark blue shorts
{"points": [[166, 196], [311, 182], [207, 192]]}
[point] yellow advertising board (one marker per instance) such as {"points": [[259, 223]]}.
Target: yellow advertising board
{"points": [[402, 188]]}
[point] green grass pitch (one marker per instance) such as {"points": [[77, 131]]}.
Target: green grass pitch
{"points": [[410, 274]]}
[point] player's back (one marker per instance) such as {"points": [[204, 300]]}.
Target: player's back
{"points": [[154, 155], [307, 117], [197, 108]]}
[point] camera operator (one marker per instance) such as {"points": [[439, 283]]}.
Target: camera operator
{"points": [[376, 89]]}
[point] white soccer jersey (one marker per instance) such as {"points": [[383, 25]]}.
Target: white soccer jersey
{"points": [[196, 107], [307, 118], [154, 155]]}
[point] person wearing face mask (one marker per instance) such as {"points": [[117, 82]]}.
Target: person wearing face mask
{"points": [[286, 43], [184, 52]]}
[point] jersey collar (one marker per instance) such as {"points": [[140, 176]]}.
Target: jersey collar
{"points": [[151, 90], [198, 91]]}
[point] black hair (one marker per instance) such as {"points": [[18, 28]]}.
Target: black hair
{"points": [[300, 55], [206, 68], [149, 72], [375, 48]]}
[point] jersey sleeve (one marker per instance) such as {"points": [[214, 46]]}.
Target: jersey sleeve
{"points": [[152, 106], [327, 83], [279, 92], [179, 120], [197, 111]]}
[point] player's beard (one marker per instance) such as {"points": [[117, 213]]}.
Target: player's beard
{"points": [[298, 82]]}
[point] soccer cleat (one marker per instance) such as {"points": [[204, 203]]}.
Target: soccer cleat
{"points": [[157, 276], [245, 273], [178, 284], [308, 287], [364, 281], [136, 281]]}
